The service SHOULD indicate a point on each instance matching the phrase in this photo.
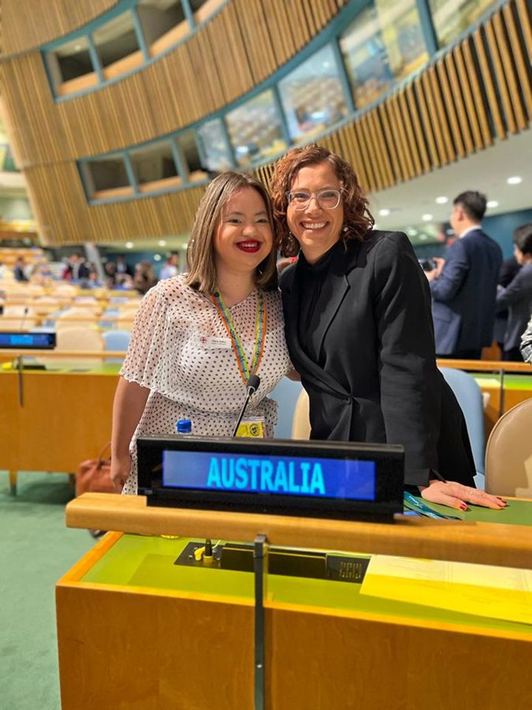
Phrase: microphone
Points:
(23, 320)
(252, 386)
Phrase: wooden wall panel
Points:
(30, 23)
(479, 90)
(508, 74)
(64, 217)
(410, 97)
(239, 48)
(520, 55)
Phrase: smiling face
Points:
(316, 228)
(243, 237)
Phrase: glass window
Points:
(116, 39)
(255, 129)
(70, 61)
(215, 148)
(190, 157)
(154, 164)
(159, 17)
(312, 95)
(203, 9)
(105, 174)
(383, 43)
(452, 17)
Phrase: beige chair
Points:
(509, 453)
(301, 423)
(45, 305)
(18, 318)
(78, 338)
(75, 318)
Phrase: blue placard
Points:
(277, 475)
(27, 340)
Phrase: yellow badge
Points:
(251, 427)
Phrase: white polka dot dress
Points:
(191, 376)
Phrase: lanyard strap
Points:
(260, 335)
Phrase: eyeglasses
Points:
(327, 199)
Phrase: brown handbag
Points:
(94, 475)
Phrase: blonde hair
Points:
(202, 274)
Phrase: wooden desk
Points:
(54, 419)
(137, 631)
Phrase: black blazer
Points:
(379, 382)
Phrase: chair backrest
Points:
(285, 394)
(116, 340)
(78, 338)
(301, 421)
(76, 317)
(469, 396)
(18, 318)
(509, 453)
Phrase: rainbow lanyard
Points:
(260, 335)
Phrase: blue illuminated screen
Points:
(278, 475)
(28, 340)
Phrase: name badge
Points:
(251, 427)
(210, 342)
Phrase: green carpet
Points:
(36, 549)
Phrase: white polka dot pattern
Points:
(189, 380)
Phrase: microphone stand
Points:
(252, 386)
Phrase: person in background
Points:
(170, 267)
(526, 343)
(144, 277)
(199, 336)
(19, 270)
(464, 284)
(122, 267)
(508, 271)
(359, 329)
(110, 274)
(516, 298)
(77, 268)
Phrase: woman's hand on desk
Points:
(120, 468)
(455, 495)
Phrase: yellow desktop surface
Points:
(148, 562)
(135, 630)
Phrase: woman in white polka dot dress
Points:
(197, 337)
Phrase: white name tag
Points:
(209, 342)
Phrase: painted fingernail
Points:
(463, 506)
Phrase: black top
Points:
(312, 300)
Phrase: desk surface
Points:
(141, 562)
(488, 379)
(517, 512)
(64, 368)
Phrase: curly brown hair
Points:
(357, 217)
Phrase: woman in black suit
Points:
(359, 329)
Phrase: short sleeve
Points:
(144, 361)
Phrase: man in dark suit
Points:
(464, 285)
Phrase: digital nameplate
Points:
(27, 340)
(270, 474)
